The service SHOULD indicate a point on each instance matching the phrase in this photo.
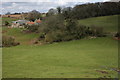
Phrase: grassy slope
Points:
(8, 19)
(109, 23)
(20, 36)
(68, 59)
(23, 38)
(80, 58)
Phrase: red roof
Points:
(30, 22)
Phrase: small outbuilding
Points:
(18, 23)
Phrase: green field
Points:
(84, 58)
(68, 59)
(109, 23)
(23, 38)
(8, 19)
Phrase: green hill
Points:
(85, 58)
(75, 59)
(20, 36)
(109, 23)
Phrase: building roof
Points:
(30, 22)
(20, 21)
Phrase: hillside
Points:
(109, 23)
(85, 58)
(20, 36)
(73, 59)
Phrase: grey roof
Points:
(20, 21)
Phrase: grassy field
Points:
(8, 19)
(84, 58)
(67, 59)
(109, 23)
(20, 36)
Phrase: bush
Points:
(56, 28)
(117, 34)
(96, 31)
(49, 38)
(68, 31)
(8, 41)
(7, 23)
(42, 36)
(51, 23)
(32, 28)
(32, 15)
(55, 36)
(51, 28)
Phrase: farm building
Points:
(21, 23)
(36, 22)
(30, 23)
(18, 23)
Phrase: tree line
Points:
(88, 10)
(79, 11)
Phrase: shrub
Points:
(55, 29)
(8, 41)
(42, 35)
(68, 31)
(117, 34)
(52, 23)
(32, 28)
(53, 36)
(49, 38)
(96, 31)
(32, 15)
(7, 23)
